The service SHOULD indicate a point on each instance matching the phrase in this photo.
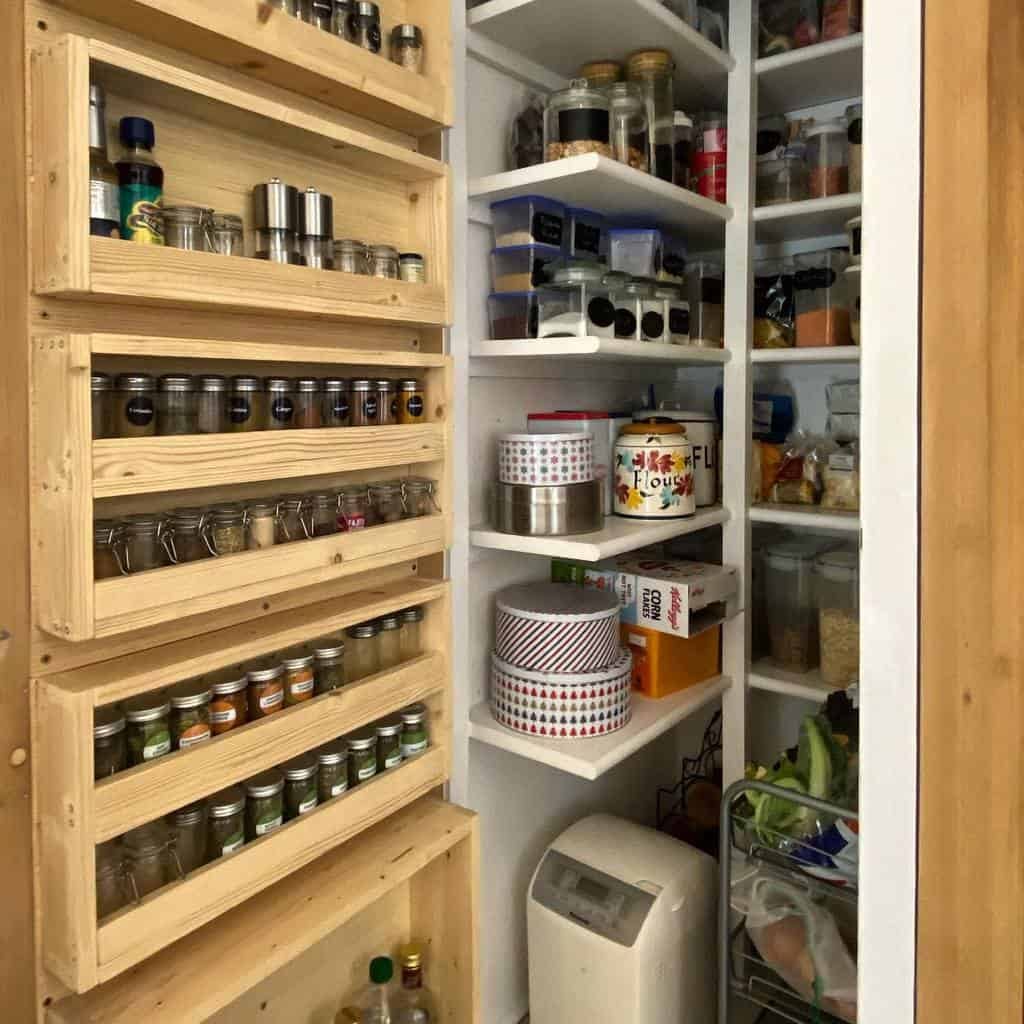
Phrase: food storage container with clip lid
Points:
(774, 308)
(630, 138)
(247, 405)
(513, 315)
(224, 529)
(384, 261)
(386, 502)
(577, 121)
(636, 251)
(109, 742)
(188, 828)
(225, 822)
(362, 757)
(329, 664)
(418, 497)
(654, 471)
(102, 393)
(407, 47)
(147, 727)
(264, 803)
(650, 310)
(362, 655)
(106, 549)
(389, 744)
(322, 514)
(827, 159)
(576, 304)
(300, 785)
(837, 594)
(190, 713)
(266, 690)
(292, 521)
(676, 311)
(782, 179)
(521, 268)
(528, 219)
(822, 299)
(654, 71)
(135, 405)
(141, 547)
(151, 860)
(229, 703)
(111, 888)
(415, 737)
(332, 779)
(299, 681)
(854, 142)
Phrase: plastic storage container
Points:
(676, 311)
(782, 179)
(629, 129)
(705, 291)
(837, 593)
(635, 251)
(682, 149)
(854, 142)
(822, 299)
(577, 121)
(710, 155)
(653, 71)
(576, 304)
(827, 159)
(513, 315)
(527, 219)
(521, 268)
(774, 310)
(792, 612)
(585, 234)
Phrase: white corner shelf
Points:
(590, 759)
(618, 537)
(765, 675)
(809, 218)
(807, 516)
(599, 350)
(831, 354)
(811, 75)
(561, 35)
(621, 193)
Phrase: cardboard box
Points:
(664, 664)
(683, 599)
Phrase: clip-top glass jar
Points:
(247, 405)
(386, 503)
(142, 546)
(102, 388)
(147, 728)
(389, 642)
(329, 666)
(224, 530)
(335, 410)
(323, 514)
(300, 786)
(109, 743)
(629, 132)
(264, 803)
(362, 757)
(407, 47)
(183, 535)
(190, 714)
(384, 261)
(136, 405)
(415, 737)
(228, 235)
(576, 304)
(653, 71)
(188, 830)
(333, 778)
(261, 524)
(225, 823)
(363, 658)
(106, 544)
(411, 643)
(351, 256)
(111, 891)
(291, 518)
(577, 121)
(150, 858)
(211, 404)
(189, 227)
(418, 494)
(353, 508)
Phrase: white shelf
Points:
(618, 537)
(811, 75)
(621, 193)
(563, 34)
(609, 350)
(590, 759)
(809, 517)
(831, 354)
(809, 218)
(764, 675)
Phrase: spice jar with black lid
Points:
(229, 703)
(363, 656)
(211, 404)
(316, 229)
(225, 823)
(183, 535)
(308, 403)
(276, 218)
(247, 406)
(291, 518)
(387, 402)
(109, 743)
(300, 786)
(332, 779)
(329, 666)
(147, 728)
(190, 714)
(264, 803)
(224, 529)
(362, 757)
(407, 47)
(362, 396)
(142, 549)
(106, 554)
(188, 829)
(389, 744)
(364, 26)
(280, 403)
(298, 678)
(176, 411)
(135, 410)
(411, 401)
(266, 690)
(389, 642)
(335, 405)
(102, 388)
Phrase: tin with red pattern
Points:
(545, 459)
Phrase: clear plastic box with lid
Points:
(790, 602)
(576, 304)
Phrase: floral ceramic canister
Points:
(654, 471)
(545, 460)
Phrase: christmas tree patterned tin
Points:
(545, 460)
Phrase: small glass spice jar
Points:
(111, 891)
(102, 406)
(142, 548)
(362, 397)
(419, 497)
(407, 47)
(384, 261)
(176, 411)
(247, 405)
(323, 514)
(332, 780)
(228, 235)
(211, 404)
(135, 409)
(389, 642)
(291, 519)
(264, 803)
(225, 823)
(353, 508)
(261, 524)
(386, 503)
(151, 860)
(300, 786)
(190, 714)
(224, 530)
(364, 25)
(308, 403)
(189, 227)
(412, 404)
(229, 703)
(188, 829)
(329, 665)
(415, 737)
(182, 535)
(280, 403)
(351, 256)
(362, 757)
(387, 402)
(411, 641)
(109, 745)
(298, 678)
(266, 691)
(412, 268)
(334, 410)
(389, 744)
(147, 728)
(106, 544)
(363, 657)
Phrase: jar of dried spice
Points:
(135, 399)
(142, 548)
(225, 822)
(411, 401)
(384, 261)
(106, 545)
(329, 665)
(188, 832)
(182, 535)
(362, 757)
(151, 861)
(224, 530)
(247, 406)
(280, 403)
(333, 778)
(577, 121)
(353, 508)
(389, 744)
(102, 406)
(291, 518)
(264, 803)
(300, 786)
(229, 703)
(190, 714)
(411, 643)
(407, 47)
(211, 404)
(335, 409)
(415, 737)
(827, 159)
(176, 409)
(387, 402)
(260, 521)
(362, 396)
(418, 492)
(148, 730)
(109, 746)
(323, 514)
(389, 642)
(298, 677)
(266, 690)
(111, 891)
(363, 657)
(308, 403)
(412, 267)
(386, 502)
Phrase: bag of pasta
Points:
(841, 479)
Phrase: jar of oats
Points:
(578, 121)
(837, 586)
(792, 613)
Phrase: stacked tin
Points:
(557, 670)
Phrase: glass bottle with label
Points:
(141, 181)
(264, 803)
(333, 778)
(190, 714)
(389, 744)
(300, 786)
(362, 757)
(335, 410)
(148, 729)
(104, 194)
(229, 703)
(323, 514)
(280, 403)
(362, 396)
(298, 678)
(135, 405)
(109, 746)
(415, 737)
(225, 823)
(414, 1003)
(266, 691)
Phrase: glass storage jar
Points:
(182, 535)
(308, 402)
(190, 714)
(229, 703)
(142, 547)
(653, 71)
(837, 584)
(386, 503)
(266, 690)
(362, 757)
(782, 179)
(188, 831)
(601, 74)
(577, 121)
(387, 402)
(335, 408)
(407, 47)
(629, 136)
(225, 822)
(638, 313)
(351, 256)
(261, 524)
(792, 616)
(224, 529)
(389, 642)
(419, 499)
(176, 407)
(384, 261)
(247, 406)
(264, 803)
(363, 656)
(389, 744)
(332, 781)
(353, 508)
(135, 397)
(576, 304)
(150, 858)
(682, 149)
(102, 390)
(822, 299)
(228, 235)
(298, 678)
(362, 397)
(109, 743)
(415, 735)
(364, 27)
(705, 291)
(412, 267)
(300, 786)
(323, 514)
(291, 518)
(329, 665)
(411, 644)
(147, 727)
(106, 553)
(111, 891)
(675, 311)
(211, 404)
(280, 403)
(827, 159)
(189, 227)
(411, 402)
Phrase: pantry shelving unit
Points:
(602, 350)
(838, 354)
(807, 517)
(811, 75)
(809, 218)
(808, 686)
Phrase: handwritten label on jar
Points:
(367, 773)
(158, 745)
(588, 239)
(414, 407)
(308, 804)
(271, 700)
(417, 747)
(268, 824)
(300, 686)
(393, 760)
(196, 734)
(236, 842)
(340, 409)
(240, 410)
(282, 409)
(339, 787)
(222, 714)
(139, 411)
(547, 228)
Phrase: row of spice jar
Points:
(151, 725)
(154, 540)
(140, 405)
(154, 855)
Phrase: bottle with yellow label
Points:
(141, 181)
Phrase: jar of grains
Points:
(411, 641)
(111, 891)
(135, 408)
(102, 390)
(335, 409)
(412, 267)
(418, 492)
(384, 261)
(577, 121)
(190, 714)
(362, 757)
(323, 514)
(415, 737)
(151, 860)
(363, 657)
(260, 522)
(411, 401)
(264, 803)
(837, 583)
(266, 690)
(247, 406)
(298, 677)
(147, 728)
(176, 409)
(362, 397)
(329, 664)
(211, 404)
(389, 744)
(389, 642)
(280, 403)
(106, 544)
(291, 518)
(225, 822)
(353, 508)
(225, 529)
(386, 502)
(183, 537)
(142, 549)
(300, 786)
(792, 617)
(308, 402)
(229, 703)
(333, 778)
(407, 47)
(387, 402)
(351, 257)
(188, 830)
(109, 747)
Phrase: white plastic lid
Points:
(681, 120)
(827, 126)
(563, 601)
(838, 566)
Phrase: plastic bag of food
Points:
(840, 18)
(798, 477)
(785, 25)
(841, 479)
(800, 941)
(774, 309)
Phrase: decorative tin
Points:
(545, 459)
(531, 511)
(703, 437)
(654, 471)
(556, 627)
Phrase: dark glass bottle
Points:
(142, 184)
(104, 198)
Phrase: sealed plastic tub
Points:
(527, 219)
(513, 315)
(521, 268)
(636, 251)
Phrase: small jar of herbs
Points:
(389, 744)
(300, 786)
(332, 780)
(147, 727)
(264, 803)
(225, 823)
(109, 746)
(362, 757)
(329, 665)
(415, 736)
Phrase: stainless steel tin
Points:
(316, 214)
(530, 511)
(275, 206)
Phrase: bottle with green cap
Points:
(377, 1002)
